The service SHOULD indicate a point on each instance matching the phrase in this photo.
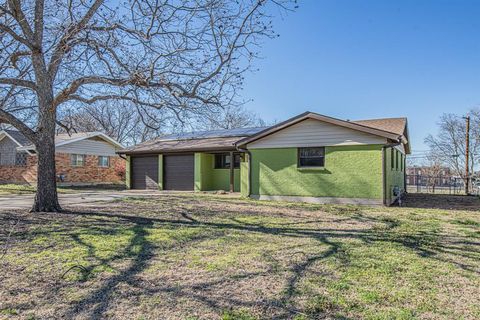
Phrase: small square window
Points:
(21, 159)
(77, 160)
(311, 157)
(104, 161)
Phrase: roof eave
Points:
(92, 135)
(176, 150)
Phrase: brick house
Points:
(419, 175)
(85, 158)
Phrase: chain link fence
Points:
(440, 184)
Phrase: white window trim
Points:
(108, 162)
(76, 160)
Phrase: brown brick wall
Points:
(90, 173)
(24, 175)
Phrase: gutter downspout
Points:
(249, 182)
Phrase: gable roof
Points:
(16, 137)
(60, 139)
(394, 129)
(66, 138)
(212, 140)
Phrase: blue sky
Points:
(363, 59)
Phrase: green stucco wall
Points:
(394, 176)
(127, 173)
(349, 172)
(201, 181)
(207, 178)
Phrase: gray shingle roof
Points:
(213, 140)
(185, 145)
(226, 139)
(18, 136)
(239, 132)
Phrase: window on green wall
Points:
(401, 162)
(311, 157)
(222, 160)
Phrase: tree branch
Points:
(70, 34)
(19, 83)
(92, 100)
(19, 16)
(15, 36)
(17, 123)
(38, 33)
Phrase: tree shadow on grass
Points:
(140, 251)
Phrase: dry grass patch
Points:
(211, 257)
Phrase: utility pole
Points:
(467, 152)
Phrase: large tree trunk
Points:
(46, 198)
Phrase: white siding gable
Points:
(311, 133)
(92, 146)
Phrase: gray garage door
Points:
(144, 172)
(178, 172)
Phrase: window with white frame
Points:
(104, 161)
(77, 160)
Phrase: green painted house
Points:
(310, 157)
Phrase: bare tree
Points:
(118, 120)
(229, 118)
(432, 170)
(449, 147)
(179, 56)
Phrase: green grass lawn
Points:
(16, 189)
(211, 257)
(12, 189)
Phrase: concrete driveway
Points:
(81, 198)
